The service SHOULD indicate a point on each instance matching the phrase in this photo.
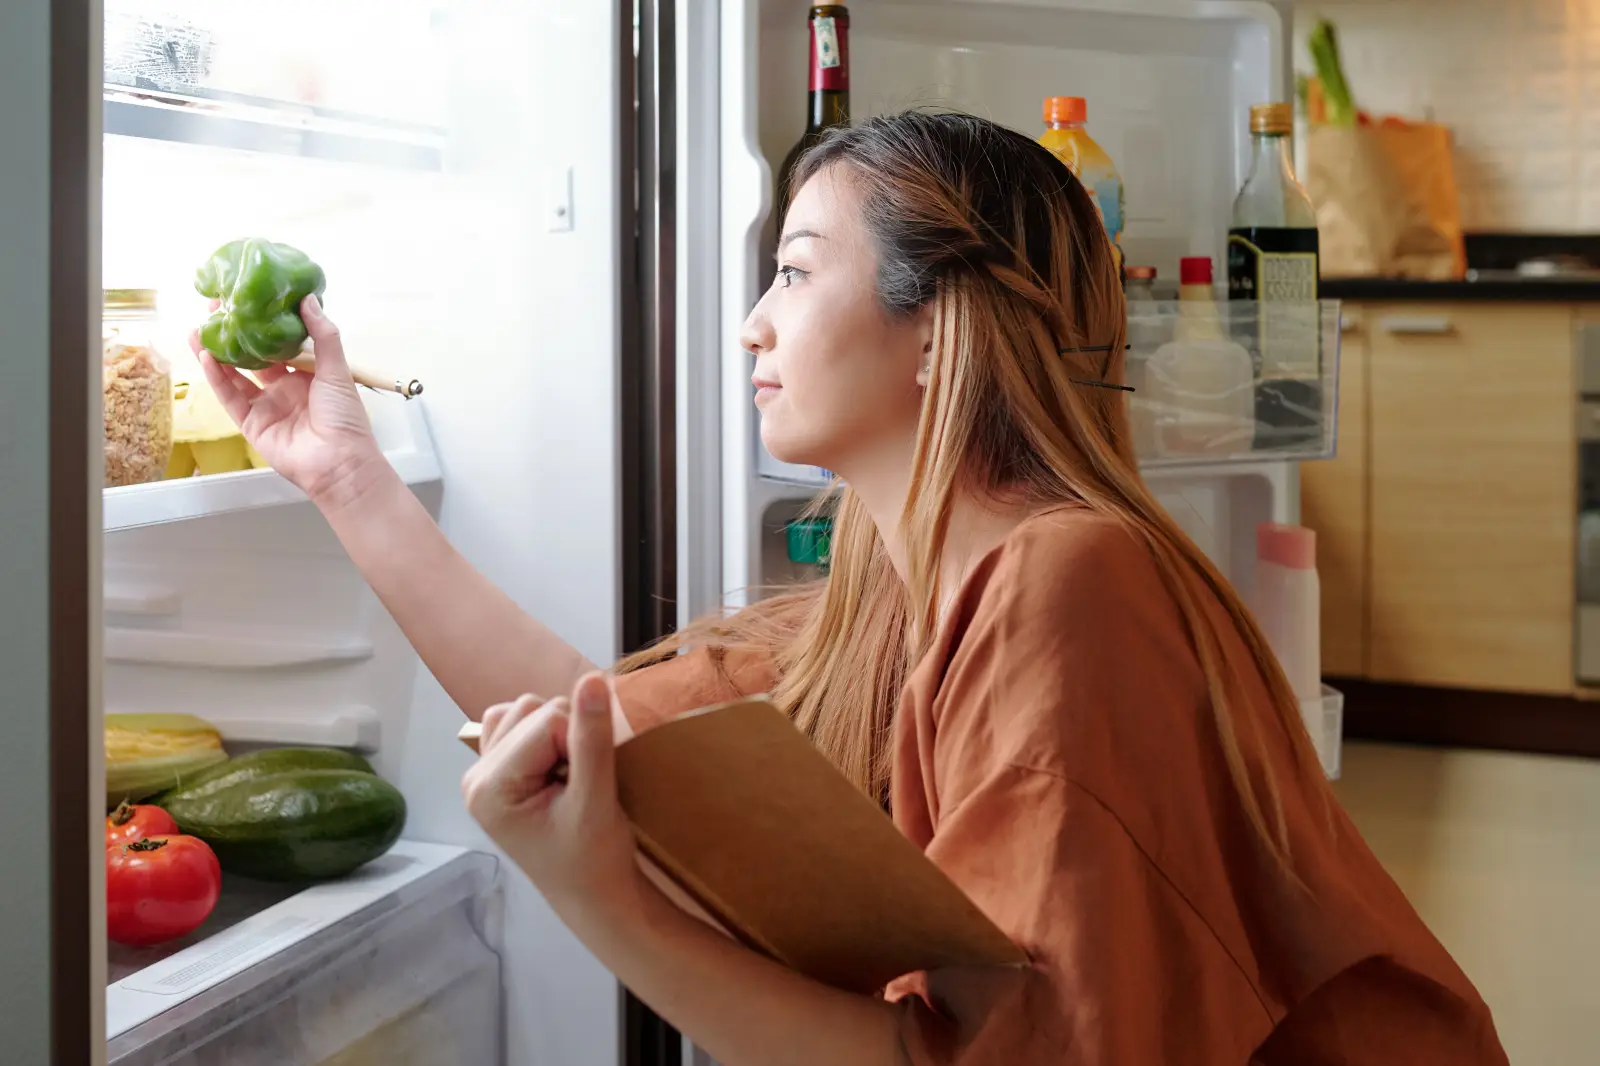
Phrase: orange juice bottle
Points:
(1068, 141)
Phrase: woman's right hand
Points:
(311, 428)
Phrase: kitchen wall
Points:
(1500, 854)
(1518, 81)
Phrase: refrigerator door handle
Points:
(648, 373)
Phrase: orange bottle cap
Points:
(1065, 109)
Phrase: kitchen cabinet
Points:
(1333, 501)
(1471, 471)
(1445, 525)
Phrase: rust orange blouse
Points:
(1055, 754)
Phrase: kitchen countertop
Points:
(1533, 290)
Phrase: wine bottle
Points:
(1272, 259)
(828, 93)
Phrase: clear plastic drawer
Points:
(1233, 380)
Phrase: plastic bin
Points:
(1233, 380)
(399, 974)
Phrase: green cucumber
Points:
(299, 825)
(262, 763)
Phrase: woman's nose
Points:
(755, 336)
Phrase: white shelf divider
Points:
(224, 651)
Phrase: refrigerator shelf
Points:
(1224, 381)
(241, 123)
(273, 965)
(131, 506)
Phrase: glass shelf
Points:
(243, 124)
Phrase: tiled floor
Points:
(1500, 853)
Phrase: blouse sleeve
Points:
(696, 678)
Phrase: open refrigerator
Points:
(554, 217)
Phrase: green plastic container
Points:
(811, 542)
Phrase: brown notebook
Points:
(737, 811)
(740, 810)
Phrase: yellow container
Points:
(1066, 138)
(205, 440)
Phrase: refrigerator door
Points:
(49, 519)
(1168, 84)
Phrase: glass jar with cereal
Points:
(137, 381)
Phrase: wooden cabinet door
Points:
(1472, 497)
(1333, 502)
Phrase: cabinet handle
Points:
(1417, 325)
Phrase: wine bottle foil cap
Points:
(1272, 118)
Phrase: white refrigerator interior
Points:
(420, 165)
(459, 177)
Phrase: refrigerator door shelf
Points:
(410, 451)
(292, 975)
(355, 726)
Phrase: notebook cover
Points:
(740, 811)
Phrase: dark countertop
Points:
(1530, 291)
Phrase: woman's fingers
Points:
(589, 737)
(276, 372)
(502, 717)
(518, 765)
(331, 363)
(489, 723)
(232, 389)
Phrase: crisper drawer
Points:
(389, 967)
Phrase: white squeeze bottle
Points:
(1200, 384)
(1287, 603)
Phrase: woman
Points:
(1018, 653)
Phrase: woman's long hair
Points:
(1007, 246)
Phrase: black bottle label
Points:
(1272, 263)
(1277, 266)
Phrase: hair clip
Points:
(1103, 385)
(1093, 348)
(1098, 384)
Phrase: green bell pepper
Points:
(261, 285)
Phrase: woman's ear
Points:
(925, 335)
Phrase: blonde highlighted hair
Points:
(1007, 247)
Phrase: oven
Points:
(1586, 623)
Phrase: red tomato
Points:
(130, 822)
(159, 888)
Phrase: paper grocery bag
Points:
(1386, 199)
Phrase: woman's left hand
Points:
(571, 838)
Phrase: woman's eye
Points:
(788, 274)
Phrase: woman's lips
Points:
(765, 390)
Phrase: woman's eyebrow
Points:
(796, 234)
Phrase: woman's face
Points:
(836, 376)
